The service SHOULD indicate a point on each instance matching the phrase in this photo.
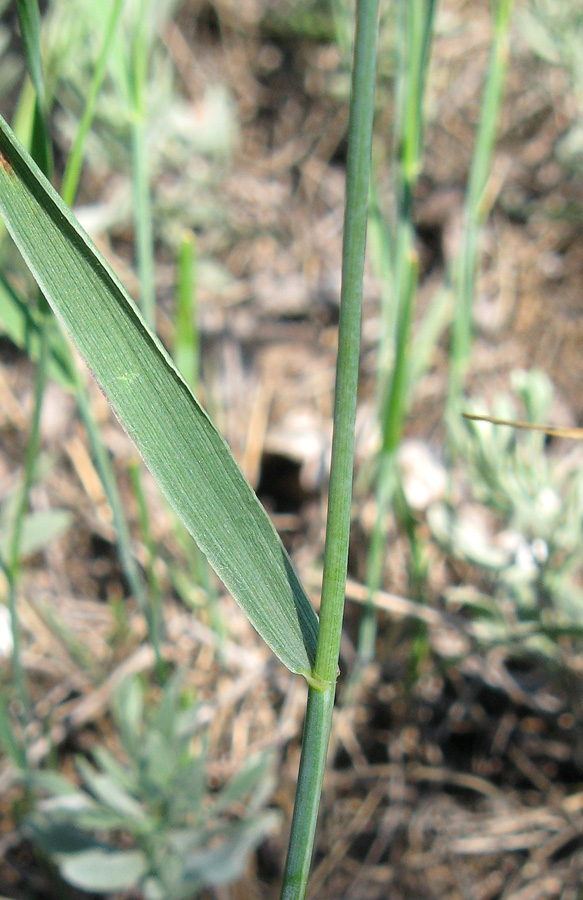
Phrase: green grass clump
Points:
(406, 346)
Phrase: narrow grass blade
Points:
(139, 52)
(29, 19)
(477, 202)
(186, 334)
(20, 322)
(75, 161)
(185, 453)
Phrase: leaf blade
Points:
(189, 459)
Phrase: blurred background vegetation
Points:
(202, 145)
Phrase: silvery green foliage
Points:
(151, 823)
(524, 527)
(554, 30)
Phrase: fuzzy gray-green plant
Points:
(527, 540)
(179, 835)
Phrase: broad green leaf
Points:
(188, 458)
(84, 861)
(103, 870)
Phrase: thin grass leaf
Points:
(29, 19)
(9, 742)
(477, 202)
(186, 334)
(19, 322)
(75, 161)
(189, 459)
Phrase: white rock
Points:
(424, 477)
(6, 642)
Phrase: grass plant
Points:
(478, 202)
(416, 29)
(29, 18)
(22, 322)
(183, 450)
(403, 356)
(137, 79)
(74, 162)
(158, 799)
(320, 704)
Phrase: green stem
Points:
(140, 169)
(154, 612)
(29, 19)
(186, 329)
(355, 223)
(143, 221)
(476, 209)
(321, 702)
(75, 160)
(310, 777)
(417, 29)
(107, 477)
